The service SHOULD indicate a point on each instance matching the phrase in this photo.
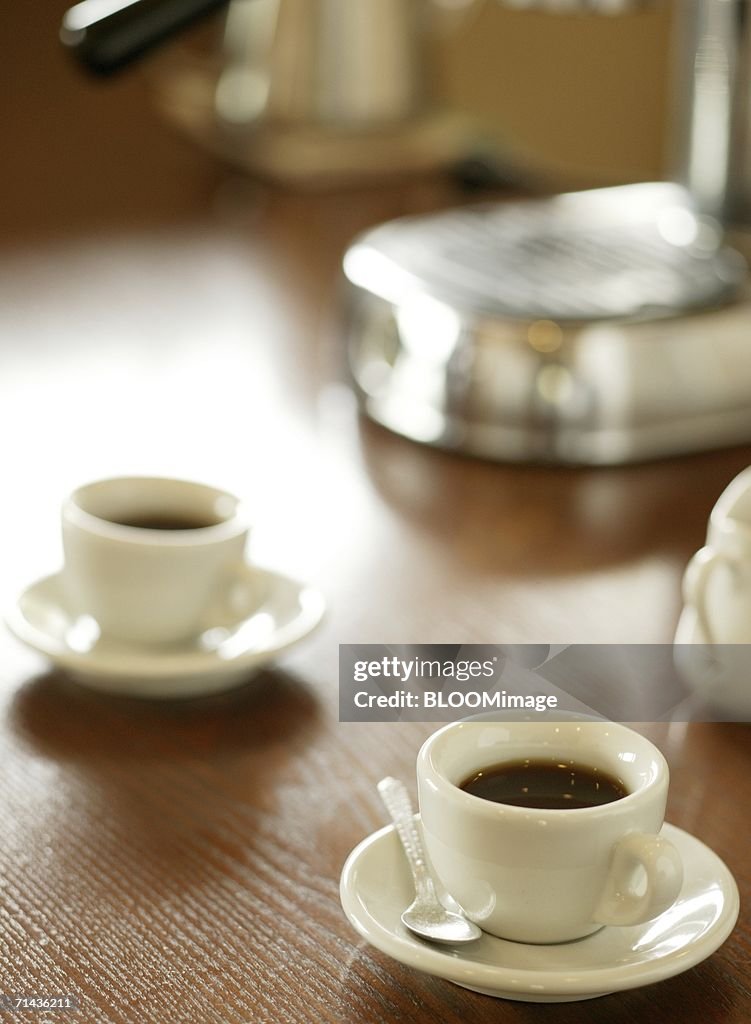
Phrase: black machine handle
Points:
(106, 35)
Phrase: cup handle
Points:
(695, 580)
(623, 903)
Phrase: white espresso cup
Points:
(145, 556)
(717, 581)
(537, 875)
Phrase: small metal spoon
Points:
(425, 916)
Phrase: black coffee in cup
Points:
(164, 521)
(546, 784)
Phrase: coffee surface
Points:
(550, 785)
(165, 521)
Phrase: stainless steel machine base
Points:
(599, 327)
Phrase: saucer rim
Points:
(528, 984)
(140, 661)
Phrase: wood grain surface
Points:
(179, 863)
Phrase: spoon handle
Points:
(396, 800)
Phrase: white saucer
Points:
(375, 887)
(719, 674)
(261, 615)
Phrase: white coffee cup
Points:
(150, 583)
(543, 876)
(717, 581)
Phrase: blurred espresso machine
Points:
(597, 327)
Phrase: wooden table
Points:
(180, 862)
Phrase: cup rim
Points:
(428, 770)
(234, 525)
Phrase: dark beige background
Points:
(581, 96)
(584, 95)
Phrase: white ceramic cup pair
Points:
(545, 876)
(717, 581)
(145, 556)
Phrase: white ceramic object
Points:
(149, 585)
(376, 886)
(734, 503)
(254, 620)
(717, 581)
(719, 675)
(539, 875)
